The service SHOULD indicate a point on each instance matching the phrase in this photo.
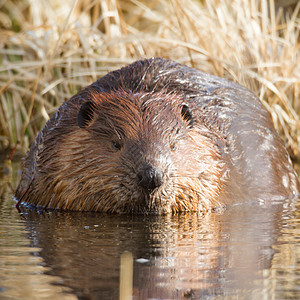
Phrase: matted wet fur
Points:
(157, 136)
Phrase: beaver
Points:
(157, 136)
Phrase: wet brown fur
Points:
(94, 167)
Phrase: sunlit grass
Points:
(49, 50)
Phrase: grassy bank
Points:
(49, 50)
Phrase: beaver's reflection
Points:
(173, 256)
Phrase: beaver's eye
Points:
(116, 145)
(172, 146)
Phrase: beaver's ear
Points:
(186, 115)
(85, 114)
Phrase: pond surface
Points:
(244, 252)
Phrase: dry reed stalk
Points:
(51, 49)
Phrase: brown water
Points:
(244, 252)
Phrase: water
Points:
(244, 252)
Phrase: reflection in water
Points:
(173, 256)
(22, 270)
(246, 251)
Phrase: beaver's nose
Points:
(149, 178)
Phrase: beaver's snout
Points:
(149, 178)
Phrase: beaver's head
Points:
(142, 152)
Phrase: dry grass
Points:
(51, 49)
